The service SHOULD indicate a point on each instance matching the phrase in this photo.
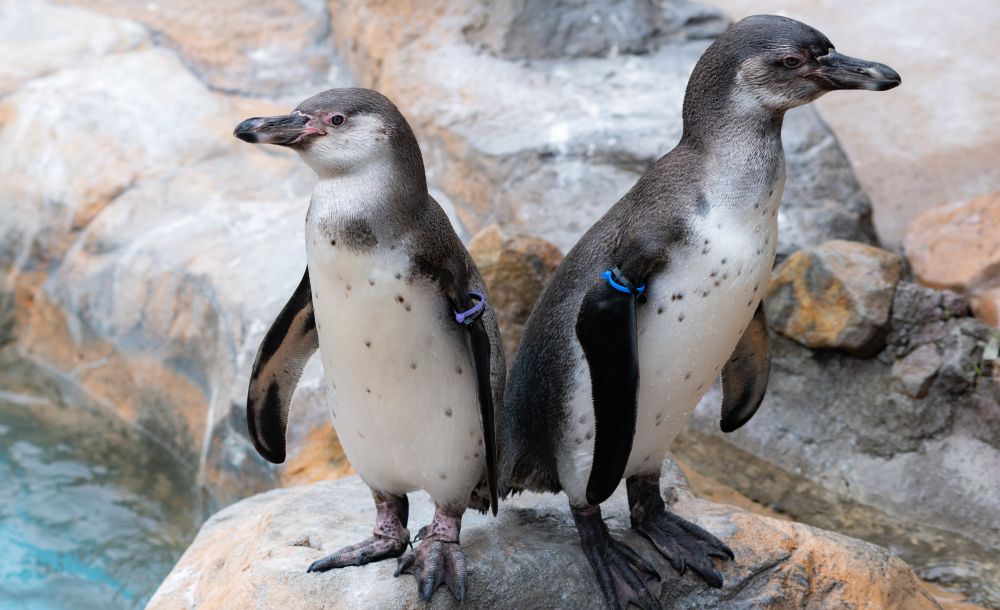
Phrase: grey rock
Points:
(254, 554)
(541, 29)
(911, 434)
(916, 371)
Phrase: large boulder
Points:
(902, 449)
(957, 247)
(836, 295)
(254, 554)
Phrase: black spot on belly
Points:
(368, 344)
(397, 275)
(723, 262)
(369, 390)
(659, 310)
(399, 298)
(442, 475)
(680, 318)
(687, 375)
(407, 307)
(458, 370)
(371, 282)
(589, 435)
(677, 296)
(447, 412)
(358, 234)
(333, 242)
(701, 206)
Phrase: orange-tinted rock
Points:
(515, 268)
(837, 295)
(958, 247)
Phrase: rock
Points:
(515, 268)
(986, 304)
(254, 554)
(252, 47)
(36, 39)
(900, 449)
(536, 29)
(957, 247)
(916, 371)
(595, 123)
(836, 295)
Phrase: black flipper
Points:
(744, 378)
(606, 329)
(479, 346)
(286, 349)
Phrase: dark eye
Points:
(792, 61)
(337, 119)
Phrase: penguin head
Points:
(336, 132)
(778, 63)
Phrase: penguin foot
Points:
(372, 549)
(389, 538)
(438, 559)
(683, 543)
(620, 571)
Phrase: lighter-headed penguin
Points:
(409, 342)
(661, 296)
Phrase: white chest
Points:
(696, 312)
(402, 388)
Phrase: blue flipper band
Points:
(610, 277)
(469, 315)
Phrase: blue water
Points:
(91, 514)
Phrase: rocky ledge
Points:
(254, 554)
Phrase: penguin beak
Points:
(844, 72)
(281, 130)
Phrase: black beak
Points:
(281, 130)
(844, 72)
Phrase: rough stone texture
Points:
(836, 295)
(254, 554)
(515, 267)
(239, 46)
(548, 145)
(541, 29)
(913, 434)
(957, 247)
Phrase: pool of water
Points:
(92, 515)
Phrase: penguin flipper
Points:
(745, 375)
(606, 329)
(479, 342)
(284, 352)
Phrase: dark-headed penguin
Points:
(409, 342)
(661, 296)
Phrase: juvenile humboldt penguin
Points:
(662, 295)
(409, 342)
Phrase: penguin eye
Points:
(336, 119)
(792, 61)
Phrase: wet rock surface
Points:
(254, 554)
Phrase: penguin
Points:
(409, 342)
(661, 296)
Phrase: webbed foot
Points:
(680, 541)
(620, 571)
(438, 559)
(389, 538)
